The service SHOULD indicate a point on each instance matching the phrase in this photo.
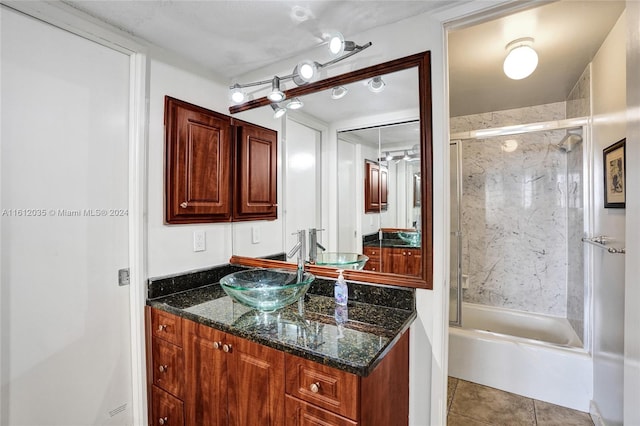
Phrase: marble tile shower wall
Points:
(514, 213)
(578, 105)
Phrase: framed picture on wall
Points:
(614, 175)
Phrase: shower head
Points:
(569, 141)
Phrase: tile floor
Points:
(471, 404)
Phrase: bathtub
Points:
(533, 355)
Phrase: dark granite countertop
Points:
(389, 242)
(353, 339)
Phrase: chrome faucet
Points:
(299, 248)
(314, 245)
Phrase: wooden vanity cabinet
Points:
(321, 395)
(373, 253)
(231, 381)
(394, 260)
(227, 380)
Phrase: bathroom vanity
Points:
(214, 361)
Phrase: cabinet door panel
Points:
(256, 172)
(198, 164)
(256, 385)
(299, 413)
(166, 409)
(206, 383)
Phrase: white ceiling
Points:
(233, 38)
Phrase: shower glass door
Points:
(455, 265)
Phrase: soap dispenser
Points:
(341, 291)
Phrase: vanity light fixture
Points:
(238, 95)
(521, 60)
(276, 95)
(295, 103)
(305, 72)
(278, 111)
(338, 92)
(397, 156)
(376, 84)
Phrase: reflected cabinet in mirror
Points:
(357, 175)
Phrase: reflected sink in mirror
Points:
(342, 260)
(266, 290)
(411, 238)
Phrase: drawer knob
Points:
(315, 387)
(184, 204)
(217, 345)
(162, 327)
(163, 421)
(163, 368)
(226, 348)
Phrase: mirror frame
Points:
(421, 61)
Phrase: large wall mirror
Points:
(358, 169)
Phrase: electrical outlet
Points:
(465, 281)
(199, 241)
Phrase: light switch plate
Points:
(255, 234)
(199, 241)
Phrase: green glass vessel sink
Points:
(342, 260)
(266, 289)
(411, 238)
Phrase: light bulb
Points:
(521, 60)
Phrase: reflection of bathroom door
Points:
(347, 208)
(302, 183)
(455, 266)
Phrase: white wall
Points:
(171, 246)
(632, 268)
(609, 126)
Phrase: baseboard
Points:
(594, 411)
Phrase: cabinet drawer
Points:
(300, 413)
(166, 327)
(372, 265)
(326, 387)
(165, 409)
(372, 252)
(168, 367)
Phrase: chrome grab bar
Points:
(602, 241)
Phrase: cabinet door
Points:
(256, 384)
(166, 409)
(256, 162)
(393, 260)
(414, 262)
(376, 186)
(205, 375)
(300, 413)
(198, 164)
(168, 367)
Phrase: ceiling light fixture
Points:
(305, 72)
(397, 156)
(521, 60)
(295, 103)
(388, 156)
(376, 84)
(338, 45)
(278, 111)
(237, 94)
(338, 92)
(276, 95)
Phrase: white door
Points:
(302, 192)
(64, 171)
(348, 234)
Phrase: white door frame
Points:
(69, 19)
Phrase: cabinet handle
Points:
(163, 421)
(274, 205)
(163, 368)
(217, 345)
(404, 253)
(162, 327)
(315, 387)
(409, 253)
(184, 204)
(226, 348)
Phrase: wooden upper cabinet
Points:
(376, 179)
(198, 164)
(217, 169)
(256, 173)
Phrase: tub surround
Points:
(376, 317)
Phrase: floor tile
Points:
(452, 382)
(550, 415)
(458, 420)
(491, 406)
